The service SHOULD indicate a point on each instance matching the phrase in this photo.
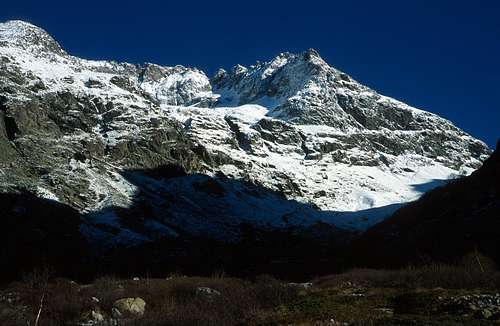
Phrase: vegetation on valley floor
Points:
(437, 294)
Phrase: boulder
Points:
(128, 308)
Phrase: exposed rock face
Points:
(70, 127)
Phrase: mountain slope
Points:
(444, 224)
(71, 128)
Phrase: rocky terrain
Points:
(144, 152)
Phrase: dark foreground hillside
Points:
(463, 294)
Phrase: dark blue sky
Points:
(442, 56)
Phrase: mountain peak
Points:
(311, 53)
(27, 36)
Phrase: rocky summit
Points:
(143, 152)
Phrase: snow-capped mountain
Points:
(276, 140)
